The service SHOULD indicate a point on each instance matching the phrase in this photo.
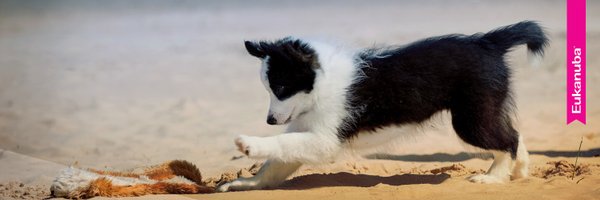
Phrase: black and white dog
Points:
(334, 98)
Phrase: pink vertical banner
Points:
(576, 99)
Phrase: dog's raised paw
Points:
(253, 147)
(242, 145)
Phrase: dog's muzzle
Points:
(273, 121)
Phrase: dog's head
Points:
(288, 73)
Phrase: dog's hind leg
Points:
(499, 172)
(503, 165)
(521, 167)
(271, 174)
(483, 120)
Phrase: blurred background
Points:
(127, 83)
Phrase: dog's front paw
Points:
(242, 145)
(486, 179)
(253, 147)
(240, 184)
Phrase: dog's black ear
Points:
(304, 52)
(302, 48)
(254, 49)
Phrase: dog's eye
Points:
(278, 89)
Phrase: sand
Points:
(371, 181)
(118, 85)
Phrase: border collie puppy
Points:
(334, 99)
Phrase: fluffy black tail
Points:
(525, 32)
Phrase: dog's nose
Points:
(271, 120)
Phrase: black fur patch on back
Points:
(466, 75)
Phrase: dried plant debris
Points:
(230, 176)
(455, 170)
(563, 168)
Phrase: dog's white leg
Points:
(521, 168)
(271, 174)
(499, 172)
(303, 147)
(285, 152)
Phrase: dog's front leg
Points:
(271, 174)
(285, 152)
(303, 147)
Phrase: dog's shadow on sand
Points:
(358, 180)
(436, 157)
(584, 153)
(463, 156)
(362, 180)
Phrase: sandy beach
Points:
(116, 85)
